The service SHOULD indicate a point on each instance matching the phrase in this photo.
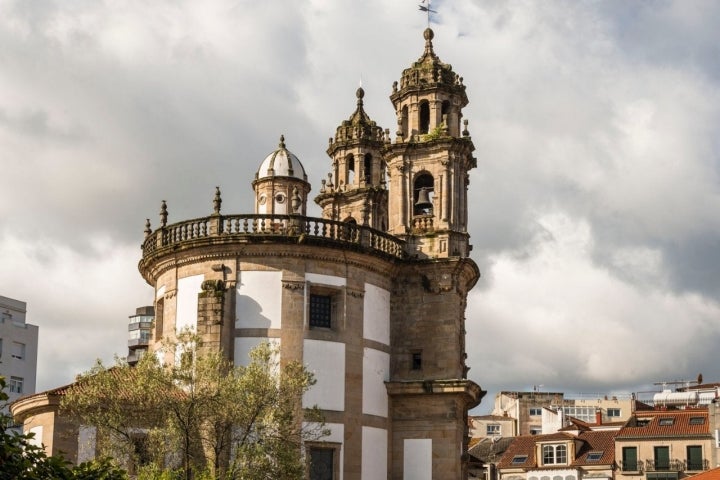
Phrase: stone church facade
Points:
(371, 297)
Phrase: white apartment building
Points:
(18, 348)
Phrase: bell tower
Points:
(429, 161)
(355, 190)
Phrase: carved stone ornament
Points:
(171, 293)
(213, 286)
(356, 293)
(293, 285)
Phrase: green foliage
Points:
(201, 417)
(21, 459)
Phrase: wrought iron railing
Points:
(268, 226)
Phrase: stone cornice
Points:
(467, 388)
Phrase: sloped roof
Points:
(712, 474)
(666, 423)
(490, 449)
(590, 441)
(596, 441)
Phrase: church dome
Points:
(281, 163)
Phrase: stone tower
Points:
(429, 161)
(371, 297)
(356, 190)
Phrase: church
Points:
(371, 297)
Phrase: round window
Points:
(262, 200)
(280, 198)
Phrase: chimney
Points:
(598, 416)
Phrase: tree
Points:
(201, 413)
(22, 459)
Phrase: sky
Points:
(594, 205)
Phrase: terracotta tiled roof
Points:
(713, 474)
(596, 442)
(489, 449)
(521, 446)
(667, 423)
(601, 442)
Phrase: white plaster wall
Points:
(376, 314)
(243, 345)
(259, 299)
(87, 440)
(337, 435)
(37, 440)
(417, 459)
(326, 360)
(187, 302)
(160, 292)
(376, 371)
(325, 279)
(374, 453)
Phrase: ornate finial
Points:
(217, 201)
(148, 230)
(282, 141)
(163, 213)
(360, 93)
(428, 34)
(465, 130)
(395, 84)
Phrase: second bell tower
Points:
(429, 161)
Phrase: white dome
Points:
(281, 163)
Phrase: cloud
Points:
(594, 202)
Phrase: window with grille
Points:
(322, 463)
(320, 311)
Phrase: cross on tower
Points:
(427, 9)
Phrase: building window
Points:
(662, 458)
(697, 420)
(666, 422)
(18, 350)
(323, 461)
(416, 360)
(554, 454)
(16, 385)
(424, 117)
(694, 458)
(519, 459)
(535, 430)
(594, 456)
(320, 311)
(613, 412)
(535, 411)
(493, 429)
(629, 459)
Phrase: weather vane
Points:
(427, 9)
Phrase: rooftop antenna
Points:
(426, 9)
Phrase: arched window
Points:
(423, 193)
(367, 168)
(424, 116)
(554, 454)
(350, 163)
(350, 220)
(446, 113)
(404, 121)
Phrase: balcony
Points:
(638, 466)
(696, 466)
(673, 465)
(138, 342)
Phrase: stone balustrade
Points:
(267, 227)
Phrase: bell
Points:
(423, 200)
